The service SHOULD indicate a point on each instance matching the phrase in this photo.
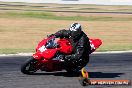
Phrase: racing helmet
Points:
(75, 29)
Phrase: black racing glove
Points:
(68, 58)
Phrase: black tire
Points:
(29, 66)
(71, 69)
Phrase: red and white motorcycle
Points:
(49, 55)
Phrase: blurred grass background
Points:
(23, 25)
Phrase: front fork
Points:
(39, 61)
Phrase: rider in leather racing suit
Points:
(80, 44)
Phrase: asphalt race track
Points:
(101, 66)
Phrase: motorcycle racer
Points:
(65, 50)
(80, 45)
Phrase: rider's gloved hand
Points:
(50, 35)
(68, 58)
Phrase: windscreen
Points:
(51, 44)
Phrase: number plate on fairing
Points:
(42, 48)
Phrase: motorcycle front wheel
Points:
(29, 66)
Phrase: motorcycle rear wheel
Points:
(29, 66)
(72, 70)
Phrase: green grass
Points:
(48, 15)
(115, 48)
(65, 7)
(101, 49)
(40, 15)
(15, 51)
